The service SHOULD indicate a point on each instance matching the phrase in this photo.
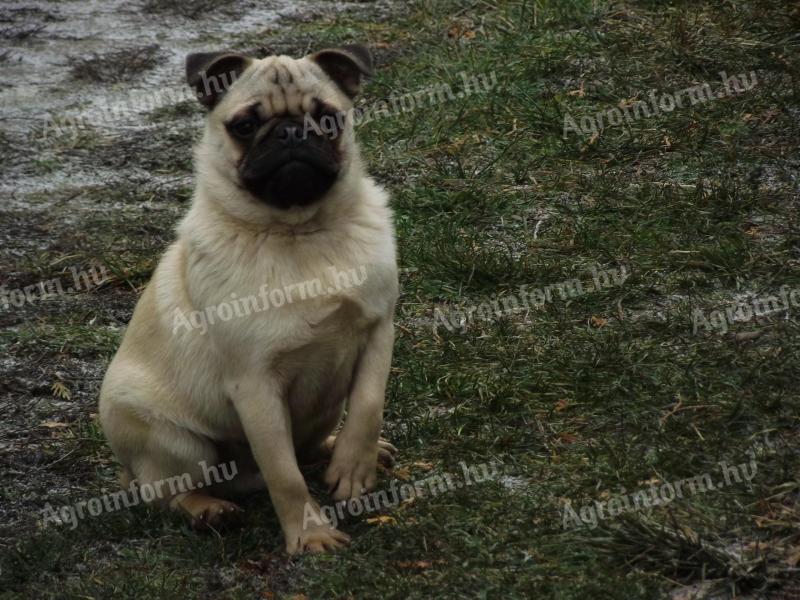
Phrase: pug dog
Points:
(277, 203)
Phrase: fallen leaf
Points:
(403, 473)
(567, 437)
(756, 546)
(794, 558)
(769, 115)
(461, 30)
(61, 391)
(690, 534)
(580, 92)
(381, 520)
(425, 466)
(561, 405)
(675, 408)
(744, 336)
(53, 424)
(407, 502)
(418, 564)
(598, 322)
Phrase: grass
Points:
(116, 67)
(581, 398)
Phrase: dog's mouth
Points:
(313, 160)
(294, 177)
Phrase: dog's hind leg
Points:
(168, 464)
(177, 463)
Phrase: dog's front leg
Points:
(263, 411)
(352, 470)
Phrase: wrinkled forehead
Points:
(280, 85)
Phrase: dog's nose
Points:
(290, 135)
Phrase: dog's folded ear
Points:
(346, 66)
(211, 74)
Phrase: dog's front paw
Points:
(352, 471)
(315, 539)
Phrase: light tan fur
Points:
(276, 381)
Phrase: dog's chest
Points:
(275, 311)
(306, 294)
(340, 316)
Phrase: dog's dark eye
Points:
(244, 128)
(331, 121)
(324, 110)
